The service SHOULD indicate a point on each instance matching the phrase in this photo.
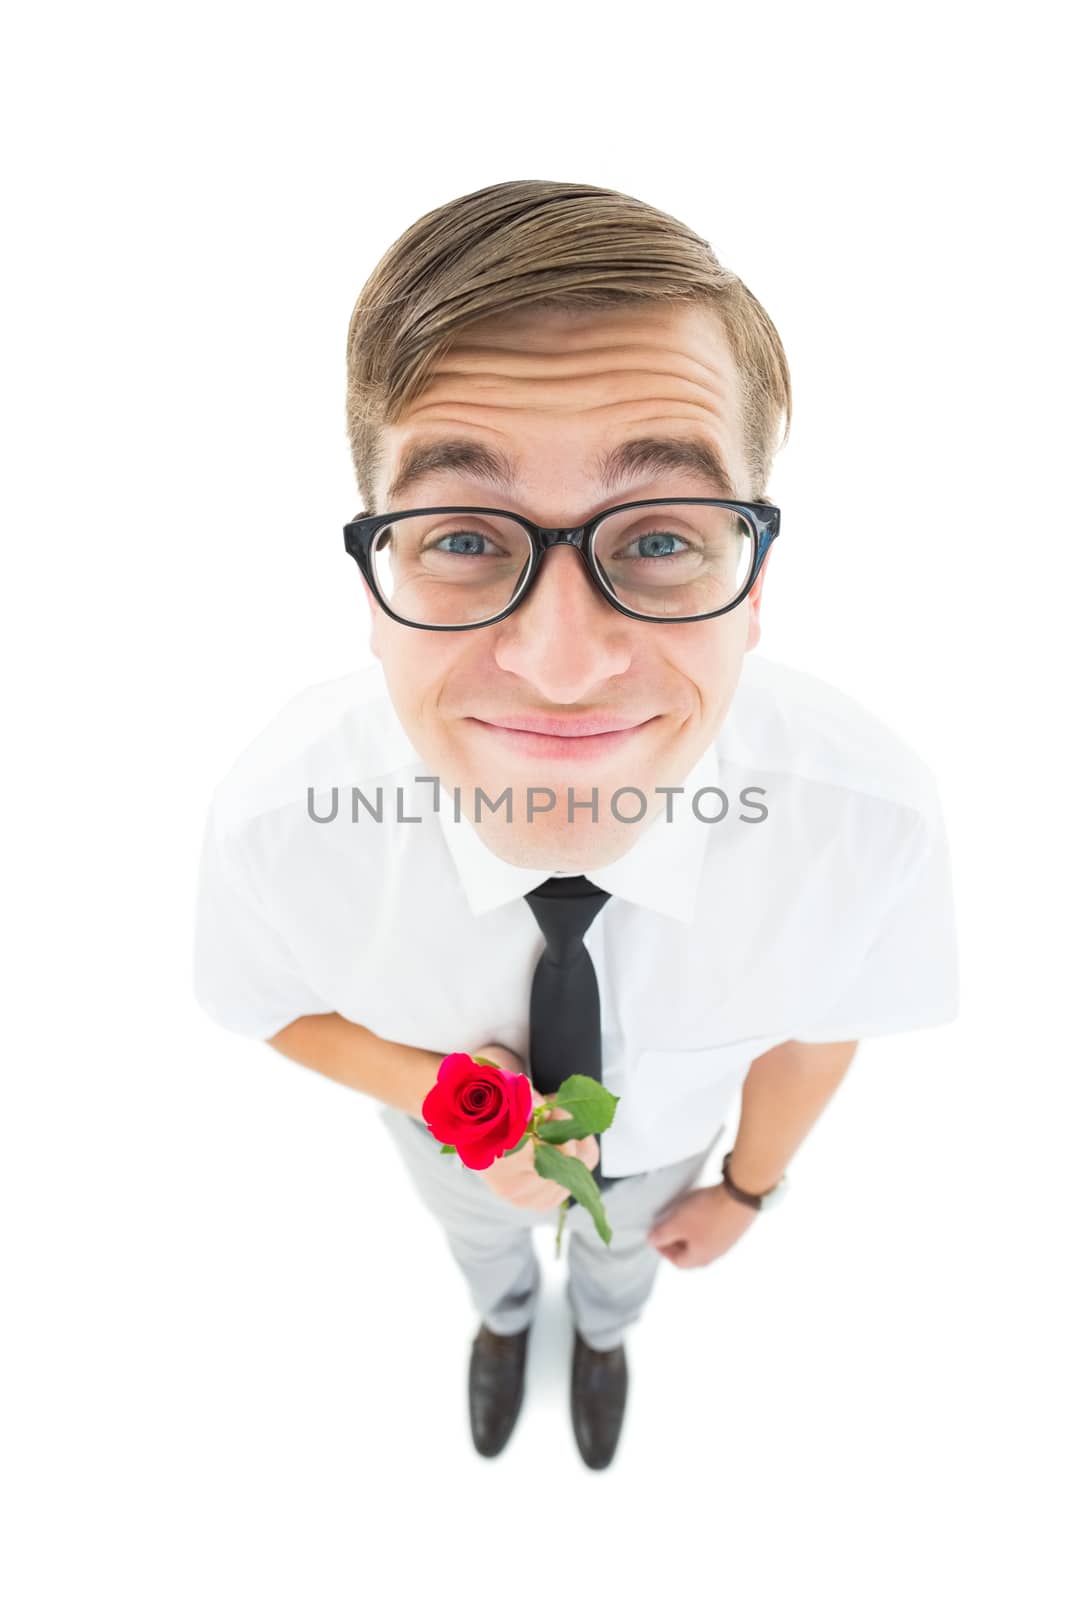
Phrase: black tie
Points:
(564, 999)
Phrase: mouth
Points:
(562, 738)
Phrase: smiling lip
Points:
(582, 738)
(563, 727)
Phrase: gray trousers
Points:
(490, 1238)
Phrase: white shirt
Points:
(830, 919)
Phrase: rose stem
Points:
(559, 1229)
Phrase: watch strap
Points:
(753, 1200)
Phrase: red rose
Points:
(482, 1110)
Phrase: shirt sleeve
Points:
(907, 971)
(245, 976)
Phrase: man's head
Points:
(549, 323)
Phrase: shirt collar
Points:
(661, 871)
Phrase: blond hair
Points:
(558, 245)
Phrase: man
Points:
(565, 757)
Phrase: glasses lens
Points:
(450, 568)
(675, 560)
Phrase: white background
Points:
(235, 1345)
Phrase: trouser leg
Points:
(489, 1239)
(608, 1285)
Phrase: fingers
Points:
(529, 1188)
(543, 1197)
(587, 1149)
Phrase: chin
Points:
(558, 846)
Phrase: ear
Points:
(755, 595)
(375, 613)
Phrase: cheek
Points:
(712, 657)
(420, 674)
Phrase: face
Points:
(553, 391)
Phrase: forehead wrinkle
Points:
(720, 379)
(706, 376)
(710, 396)
(697, 410)
(482, 387)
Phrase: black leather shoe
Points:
(599, 1380)
(495, 1387)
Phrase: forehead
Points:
(559, 391)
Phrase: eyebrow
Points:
(423, 459)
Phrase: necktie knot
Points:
(565, 909)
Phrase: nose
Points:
(565, 638)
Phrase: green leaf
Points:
(557, 1130)
(484, 1061)
(447, 1150)
(575, 1176)
(589, 1103)
(515, 1147)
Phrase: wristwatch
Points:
(758, 1202)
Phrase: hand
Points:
(702, 1226)
(513, 1177)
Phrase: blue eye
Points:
(467, 552)
(657, 540)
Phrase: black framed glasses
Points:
(662, 560)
